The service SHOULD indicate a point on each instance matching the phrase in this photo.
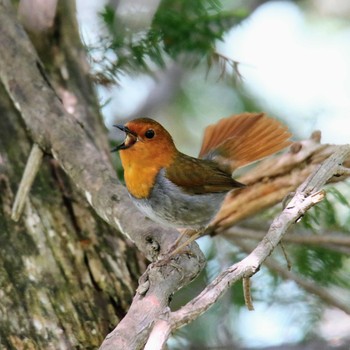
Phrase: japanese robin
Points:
(177, 190)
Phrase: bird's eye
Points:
(149, 133)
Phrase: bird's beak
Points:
(130, 138)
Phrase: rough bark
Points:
(66, 277)
(57, 259)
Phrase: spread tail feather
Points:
(241, 139)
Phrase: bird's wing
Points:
(199, 176)
(242, 139)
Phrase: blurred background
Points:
(290, 59)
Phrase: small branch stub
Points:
(30, 171)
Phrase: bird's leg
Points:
(176, 248)
(183, 233)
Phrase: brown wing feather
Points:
(232, 126)
(242, 139)
(200, 176)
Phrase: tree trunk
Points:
(66, 277)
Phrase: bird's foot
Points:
(178, 246)
(178, 249)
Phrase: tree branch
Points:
(71, 144)
(307, 195)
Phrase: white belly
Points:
(171, 206)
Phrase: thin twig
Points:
(286, 257)
(315, 239)
(308, 285)
(32, 167)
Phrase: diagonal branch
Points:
(307, 195)
(58, 133)
(30, 171)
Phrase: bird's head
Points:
(146, 149)
(145, 138)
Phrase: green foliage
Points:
(191, 26)
(180, 30)
(320, 264)
(325, 264)
(329, 214)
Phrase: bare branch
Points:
(307, 195)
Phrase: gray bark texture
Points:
(66, 276)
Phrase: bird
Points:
(185, 192)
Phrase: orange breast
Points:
(141, 166)
(140, 181)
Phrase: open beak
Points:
(130, 138)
